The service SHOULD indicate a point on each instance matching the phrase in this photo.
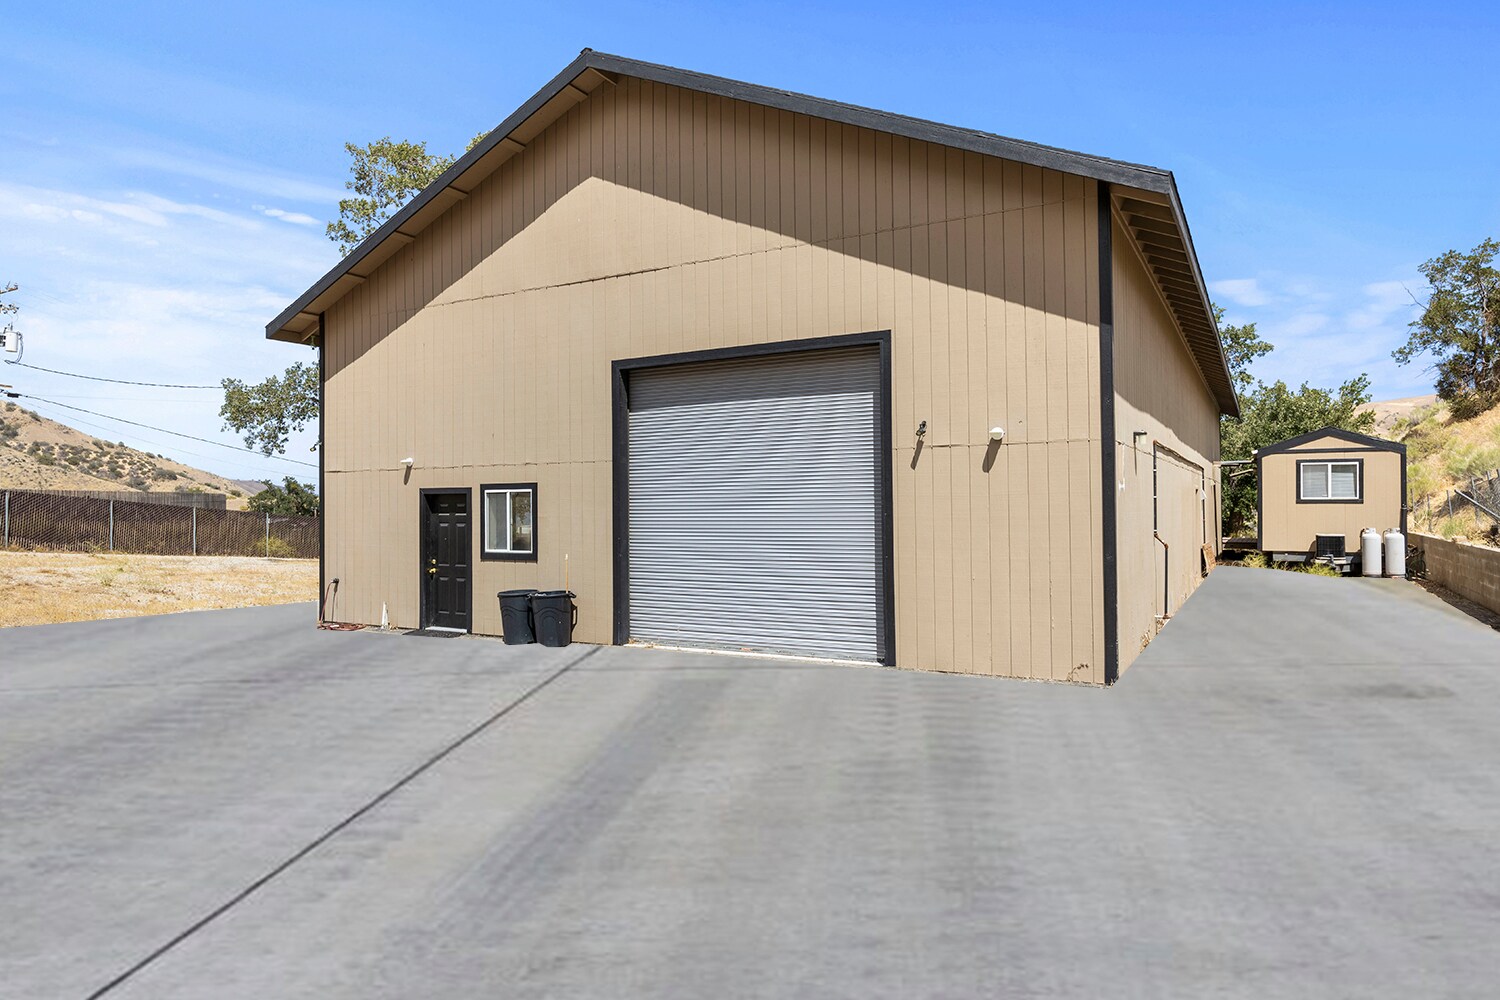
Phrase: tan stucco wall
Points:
(650, 220)
(1289, 526)
(1158, 391)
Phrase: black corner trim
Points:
(1107, 499)
(620, 461)
(322, 470)
(620, 498)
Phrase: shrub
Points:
(1256, 560)
(1426, 438)
(1467, 461)
(45, 458)
(1421, 482)
(1449, 527)
(279, 548)
(1320, 569)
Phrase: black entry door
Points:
(445, 559)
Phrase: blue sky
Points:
(168, 168)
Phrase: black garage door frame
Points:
(620, 457)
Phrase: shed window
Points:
(1328, 480)
(510, 521)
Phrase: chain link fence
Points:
(45, 521)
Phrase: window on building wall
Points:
(509, 521)
(1328, 481)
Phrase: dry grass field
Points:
(41, 587)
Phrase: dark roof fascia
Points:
(1097, 167)
(431, 191)
(1360, 441)
(1230, 405)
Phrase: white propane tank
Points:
(1395, 554)
(1369, 552)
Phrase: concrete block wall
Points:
(1472, 571)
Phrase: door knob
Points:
(432, 570)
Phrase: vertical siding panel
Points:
(1060, 486)
(936, 171)
(818, 180)
(833, 137)
(976, 485)
(963, 561)
(761, 179)
(849, 187)
(998, 337)
(944, 538)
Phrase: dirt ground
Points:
(41, 587)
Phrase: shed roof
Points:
(1145, 197)
(1354, 438)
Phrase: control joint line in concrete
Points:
(342, 824)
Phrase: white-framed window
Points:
(508, 515)
(1336, 480)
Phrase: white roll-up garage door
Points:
(755, 504)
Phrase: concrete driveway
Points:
(1292, 793)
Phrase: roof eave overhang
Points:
(1153, 216)
(298, 323)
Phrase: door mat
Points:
(434, 633)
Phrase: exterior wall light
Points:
(997, 433)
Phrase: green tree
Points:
(385, 175)
(1242, 345)
(291, 499)
(267, 413)
(1460, 329)
(1271, 413)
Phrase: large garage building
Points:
(750, 370)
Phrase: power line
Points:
(117, 381)
(163, 430)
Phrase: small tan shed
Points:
(1328, 484)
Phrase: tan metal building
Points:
(1318, 490)
(754, 370)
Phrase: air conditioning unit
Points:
(1329, 546)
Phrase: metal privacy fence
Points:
(85, 524)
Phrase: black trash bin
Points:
(553, 615)
(515, 616)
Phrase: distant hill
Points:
(41, 454)
(1443, 454)
(249, 486)
(1390, 414)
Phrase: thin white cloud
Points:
(151, 288)
(295, 218)
(1240, 291)
(248, 177)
